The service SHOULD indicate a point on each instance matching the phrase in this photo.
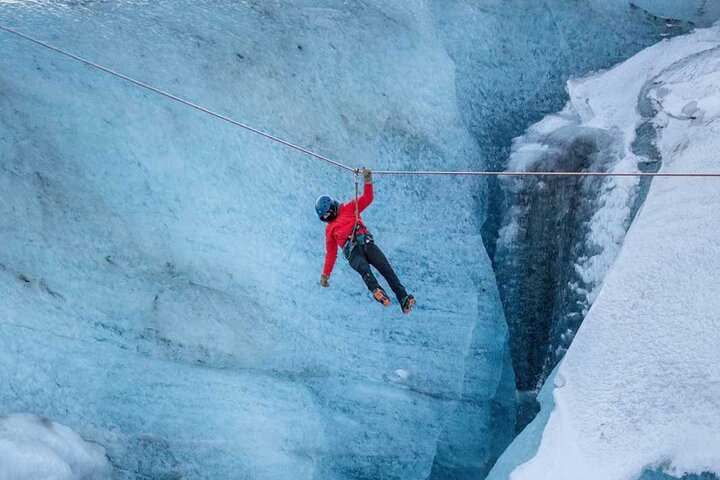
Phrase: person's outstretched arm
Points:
(330, 257)
(367, 197)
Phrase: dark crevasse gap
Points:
(546, 246)
(544, 295)
(511, 71)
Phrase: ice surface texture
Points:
(33, 448)
(159, 268)
(639, 386)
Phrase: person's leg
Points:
(360, 264)
(378, 260)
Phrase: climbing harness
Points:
(361, 238)
(335, 162)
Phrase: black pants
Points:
(364, 255)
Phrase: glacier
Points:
(158, 268)
(636, 395)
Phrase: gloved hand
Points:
(324, 280)
(367, 174)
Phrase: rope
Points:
(357, 181)
(357, 207)
(176, 98)
(335, 162)
(546, 174)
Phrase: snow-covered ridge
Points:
(561, 235)
(33, 448)
(639, 387)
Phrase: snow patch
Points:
(33, 448)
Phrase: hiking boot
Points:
(380, 295)
(407, 303)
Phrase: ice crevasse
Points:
(639, 387)
(158, 268)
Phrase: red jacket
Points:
(340, 229)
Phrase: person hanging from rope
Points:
(346, 229)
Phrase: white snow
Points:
(607, 101)
(640, 385)
(33, 448)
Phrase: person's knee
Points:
(356, 259)
(361, 267)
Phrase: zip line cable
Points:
(176, 98)
(335, 162)
(520, 173)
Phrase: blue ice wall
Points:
(514, 57)
(700, 12)
(159, 268)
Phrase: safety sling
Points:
(356, 238)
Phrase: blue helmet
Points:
(327, 208)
